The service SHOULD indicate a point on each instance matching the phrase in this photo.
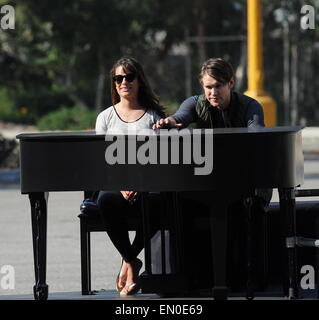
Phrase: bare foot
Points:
(121, 278)
(132, 283)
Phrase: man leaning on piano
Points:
(218, 107)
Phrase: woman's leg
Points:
(114, 210)
(133, 267)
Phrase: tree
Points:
(61, 52)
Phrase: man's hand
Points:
(130, 196)
(168, 122)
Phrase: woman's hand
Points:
(130, 196)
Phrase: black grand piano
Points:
(254, 157)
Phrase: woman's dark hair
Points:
(217, 68)
(146, 96)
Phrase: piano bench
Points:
(90, 221)
(307, 243)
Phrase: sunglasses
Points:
(128, 77)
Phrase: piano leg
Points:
(39, 234)
(288, 212)
(218, 221)
(147, 237)
(249, 242)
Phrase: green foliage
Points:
(75, 118)
(170, 107)
(6, 106)
(9, 112)
(61, 51)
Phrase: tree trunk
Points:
(200, 17)
(294, 84)
(77, 100)
(188, 66)
(71, 92)
(99, 96)
(286, 77)
(242, 67)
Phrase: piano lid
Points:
(242, 158)
(90, 134)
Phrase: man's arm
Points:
(255, 114)
(185, 115)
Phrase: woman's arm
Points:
(100, 124)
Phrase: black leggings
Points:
(115, 210)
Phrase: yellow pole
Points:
(255, 62)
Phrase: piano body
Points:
(76, 161)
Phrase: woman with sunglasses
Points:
(135, 107)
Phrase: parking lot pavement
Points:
(63, 245)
